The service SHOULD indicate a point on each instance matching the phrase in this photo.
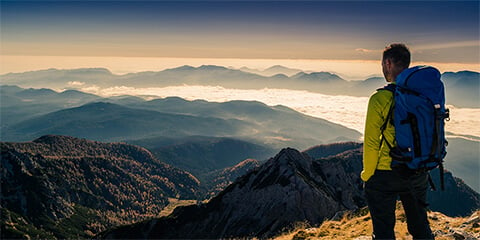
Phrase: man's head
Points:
(396, 58)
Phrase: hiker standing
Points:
(382, 185)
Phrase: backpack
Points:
(418, 112)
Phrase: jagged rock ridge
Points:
(292, 187)
(288, 188)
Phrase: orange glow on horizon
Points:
(348, 69)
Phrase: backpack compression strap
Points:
(390, 87)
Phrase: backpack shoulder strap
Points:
(390, 87)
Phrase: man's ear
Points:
(388, 62)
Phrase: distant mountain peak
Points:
(76, 93)
(101, 105)
(323, 76)
(212, 67)
(203, 68)
(276, 71)
(37, 92)
(280, 75)
(463, 72)
(54, 139)
(181, 68)
(90, 70)
(247, 69)
(278, 67)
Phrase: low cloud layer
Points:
(345, 110)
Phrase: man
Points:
(382, 184)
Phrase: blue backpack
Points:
(419, 116)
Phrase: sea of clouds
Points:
(348, 111)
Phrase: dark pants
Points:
(382, 191)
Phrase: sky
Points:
(443, 32)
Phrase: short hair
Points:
(398, 53)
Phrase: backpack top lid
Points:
(424, 80)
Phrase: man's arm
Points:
(372, 135)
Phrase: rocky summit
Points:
(288, 188)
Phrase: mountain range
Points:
(19, 104)
(461, 87)
(272, 71)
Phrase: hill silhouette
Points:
(177, 118)
(107, 122)
(199, 155)
(18, 104)
(462, 88)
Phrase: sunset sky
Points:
(437, 31)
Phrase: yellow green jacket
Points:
(374, 155)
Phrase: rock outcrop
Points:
(288, 188)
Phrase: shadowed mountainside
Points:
(220, 179)
(200, 155)
(112, 122)
(65, 187)
(18, 104)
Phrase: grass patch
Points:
(173, 203)
(14, 226)
(358, 225)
